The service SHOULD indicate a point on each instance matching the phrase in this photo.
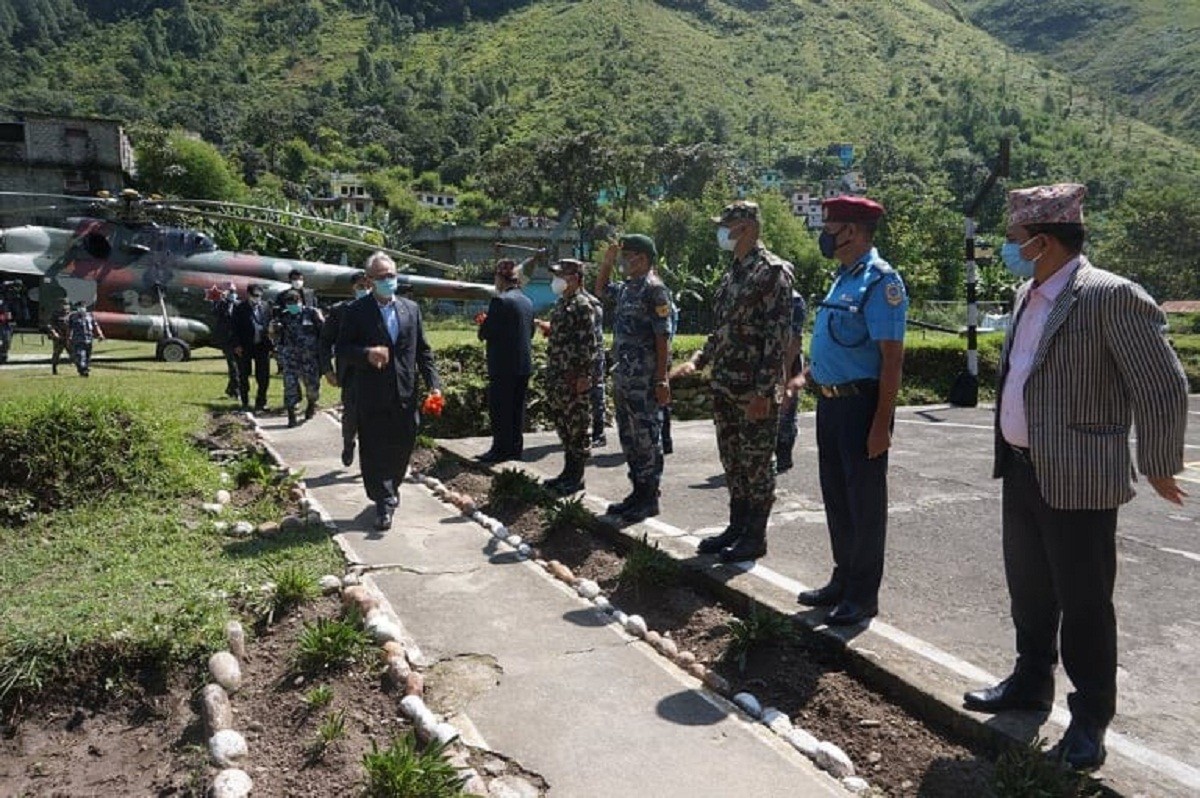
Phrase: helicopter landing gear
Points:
(173, 350)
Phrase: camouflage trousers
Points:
(300, 367)
(572, 415)
(746, 448)
(639, 426)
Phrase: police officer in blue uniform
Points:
(855, 365)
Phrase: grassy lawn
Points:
(139, 570)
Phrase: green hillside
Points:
(466, 89)
(1146, 52)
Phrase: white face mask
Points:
(558, 285)
(297, 284)
(724, 241)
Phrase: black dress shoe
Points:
(383, 517)
(1081, 747)
(1014, 693)
(827, 596)
(489, 457)
(848, 613)
(348, 453)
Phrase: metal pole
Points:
(965, 392)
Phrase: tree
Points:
(179, 165)
(1156, 241)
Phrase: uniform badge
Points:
(893, 294)
(663, 311)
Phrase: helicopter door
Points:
(55, 288)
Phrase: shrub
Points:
(402, 770)
(755, 630)
(62, 452)
(513, 489)
(1026, 772)
(647, 564)
(330, 645)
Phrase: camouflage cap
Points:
(639, 243)
(742, 209)
(567, 267)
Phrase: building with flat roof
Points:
(49, 154)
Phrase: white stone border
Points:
(825, 754)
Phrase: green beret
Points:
(640, 243)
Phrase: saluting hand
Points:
(1168, 488)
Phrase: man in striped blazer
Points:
(1085, 357)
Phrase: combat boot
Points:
(618, 508)
(291, 416)
(737, 526)
(645, 502)
(571, 479)
(783, 459)
(753, 542)
(310, 409)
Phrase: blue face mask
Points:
(293, 309)
(385, 287)
(1010, 253)
(359, 293)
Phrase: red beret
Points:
(850, 209)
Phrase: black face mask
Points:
(827, 242)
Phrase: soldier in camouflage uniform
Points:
(753, 318)
(596, 394)
(82, 329)
(642, 357)
(785, 440)
(60, 334)
(298, 342)
(572, 351)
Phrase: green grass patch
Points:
(121, 574)
(648, 565)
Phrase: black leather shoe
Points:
(383, 517)
(1081, 747)
(827, 596)
(1014, 693)
(348, 453)
(489, 457)
(848, 613)
(599, 441)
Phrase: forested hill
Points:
(1146, 51)
(465, 88)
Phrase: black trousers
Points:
(389, 434)
(349, 412)
(1061, 566)
(257, 359)
(854, 490)
(506, 409)
(231, 368)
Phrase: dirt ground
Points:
(152, 741)
(800, 674)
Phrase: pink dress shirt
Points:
(1031, 322)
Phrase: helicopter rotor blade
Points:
(336, 239)
(69, 197)
(290, 214)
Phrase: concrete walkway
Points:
(944, 625)
(527, 668)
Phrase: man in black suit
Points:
(382, 343)
(335, 373)
(252, 346)
(507, 329)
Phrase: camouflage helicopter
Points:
(149, 278)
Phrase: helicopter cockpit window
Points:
(202, 243)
